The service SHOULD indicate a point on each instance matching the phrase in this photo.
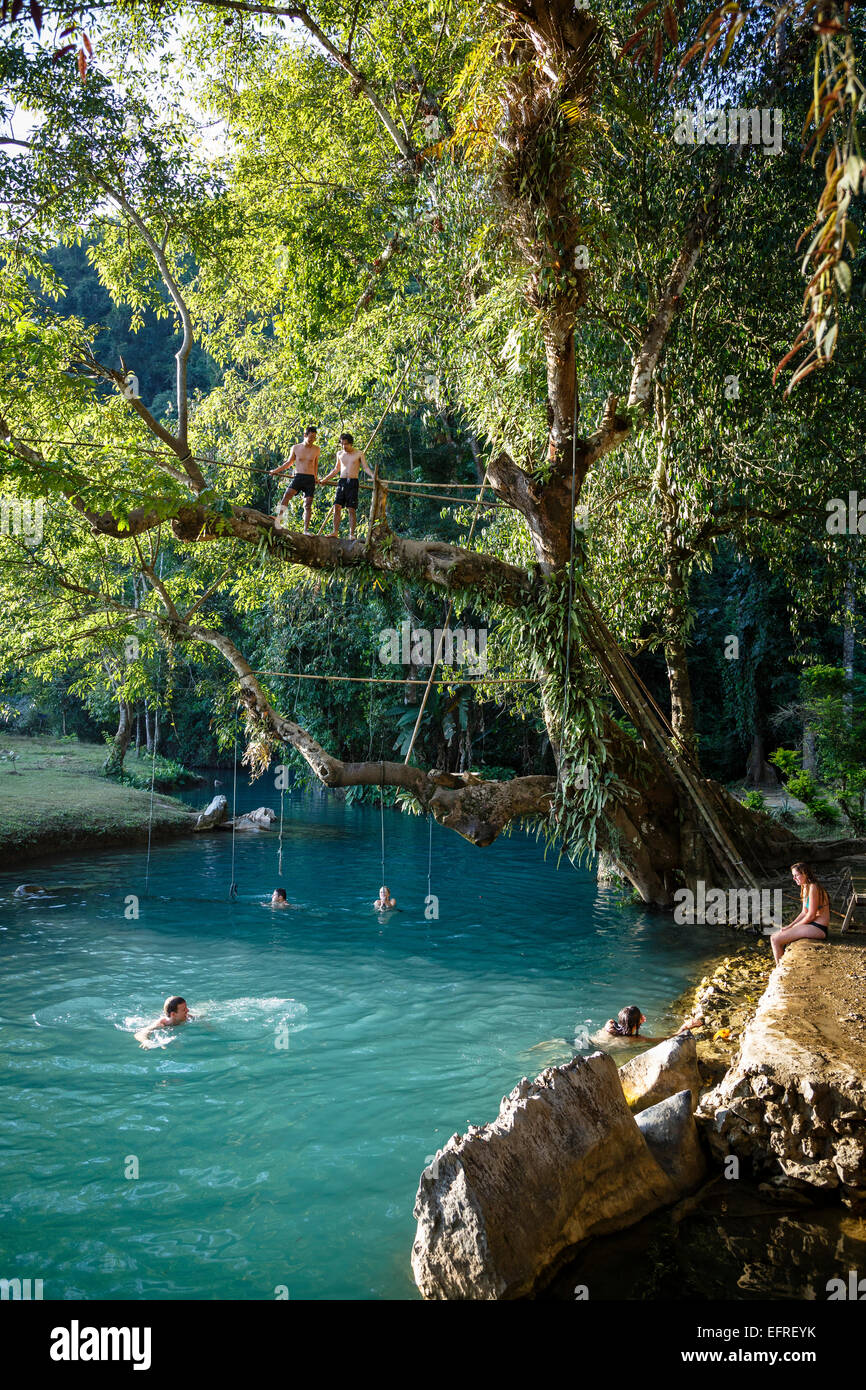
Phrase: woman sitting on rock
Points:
(812, 923)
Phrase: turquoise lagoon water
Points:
(296, 1165)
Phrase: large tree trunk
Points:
(680, 685)
(810, 755)
(113, 765)
(760, 773)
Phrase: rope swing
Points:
(233, 891)
(150, 816)
(280, 840)
(152, 766)
(566, 684)
(382, 819)
(442, 635)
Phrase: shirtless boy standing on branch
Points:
(349, 461)
(305, 458)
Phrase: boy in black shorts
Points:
(305, 458)
(349, 461)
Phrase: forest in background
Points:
(737, 699)
(486, 242)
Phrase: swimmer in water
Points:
(628, 1023)
(279, 899)
(174, 1011)
(384, 900)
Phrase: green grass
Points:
(57, 797)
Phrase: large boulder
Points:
(260, 819)
(501, 1205)
(794, 1101)
(662, 1071)
(213, 815)
(672, 1138)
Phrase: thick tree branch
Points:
(448, 568)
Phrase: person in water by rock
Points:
(812, 922)
(174, 1011)
(627, 1022)
(384, 900)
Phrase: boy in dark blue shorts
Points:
(349, 461)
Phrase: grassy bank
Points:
(53, 797)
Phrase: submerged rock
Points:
(662, 1071)
(564, 1160)
(672, 1138)
(213, 815)
(794, 1102)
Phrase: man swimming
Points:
(174, 1011)
(349, 461)
(279, 899)
(305, 459)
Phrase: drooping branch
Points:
(359, 82)
(157, 250)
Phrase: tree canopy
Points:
(470, 233)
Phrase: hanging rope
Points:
(442, 635)
(150, 817)
(152, 767)
(382, 818)
(233, 891)
(280, 841)
(399, 680)
(429, 856)
(566, 684)
(656, 730)
(370, 714)
(411, 466)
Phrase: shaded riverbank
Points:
(771, 1225)
(730, 1241)
(54, 798)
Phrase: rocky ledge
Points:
(794, 1101)
(565, 1159)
